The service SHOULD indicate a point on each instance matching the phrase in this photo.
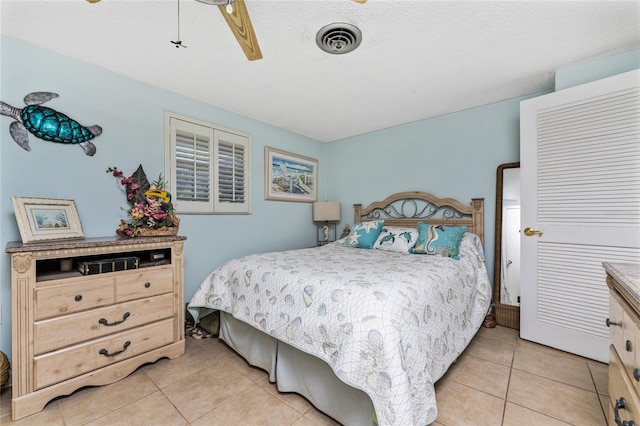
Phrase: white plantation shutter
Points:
(231, 152)
(207, 167)
(193, 168)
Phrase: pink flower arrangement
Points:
(145, 211)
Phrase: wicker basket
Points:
(149, 232)
(4, 369)
(508, 316)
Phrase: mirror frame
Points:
(506, 315)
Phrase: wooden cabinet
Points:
(624, 352)
(71, 330)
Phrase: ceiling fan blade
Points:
(242, 29)
(360, 1)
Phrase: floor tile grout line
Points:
(506, 401)
(256, 383)
(557, 381)
(237, 370)
(539, 412)
(506, 395)
(593, 379)
(62, 410)
(283, 400)
(167, 397)
(530, 345)
(213, 408)
(496, 340)
(472, 388)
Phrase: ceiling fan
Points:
(237, 17)
(238, 20)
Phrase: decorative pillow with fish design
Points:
(439, 240)
(364, 234)
(393, 238)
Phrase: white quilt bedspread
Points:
(387, 323)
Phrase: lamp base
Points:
(326, 233)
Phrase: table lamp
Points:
(326, 211)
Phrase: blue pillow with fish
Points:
(397, 239)
(439, 240)
(364, 234)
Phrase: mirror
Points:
(506, 273)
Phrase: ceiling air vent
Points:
(338, 38)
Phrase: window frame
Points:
(216, 135)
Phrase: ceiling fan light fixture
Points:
(227, 3)
(339, 38)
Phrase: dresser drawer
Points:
(56, 333)
(625, 337)
(616, 318)
(620, 387)
(79, 295)
(73, 361)
(144, 283)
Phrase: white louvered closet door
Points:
(580, 187)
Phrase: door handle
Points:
(531, 232)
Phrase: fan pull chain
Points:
(178, 42)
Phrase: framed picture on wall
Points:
(45, 219)
(289, 177)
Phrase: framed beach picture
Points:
(44, 219)
(289, 177)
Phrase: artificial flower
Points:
(144, 211)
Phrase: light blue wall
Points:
(596, 70)
(132, 116)
(455, 155)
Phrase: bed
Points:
(363, 334)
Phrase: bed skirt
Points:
(299, 372)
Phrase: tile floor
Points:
(499, 380)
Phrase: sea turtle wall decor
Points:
(47, 123)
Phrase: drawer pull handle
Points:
(610, 323)
(620, 403)
(104, 322)
(628, 346)
(126, 345)
(147, 285)
(78, 298)
(636, 374)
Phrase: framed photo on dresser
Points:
(46, 219)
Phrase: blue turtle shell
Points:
(54, 126)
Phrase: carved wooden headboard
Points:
(409, 208)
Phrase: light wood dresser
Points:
(623, 280)
(71, 330)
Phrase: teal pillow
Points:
(439, 240)
(364, 234)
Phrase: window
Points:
(207, 167)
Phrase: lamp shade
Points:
(326, 211)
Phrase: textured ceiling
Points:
(418, 59)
